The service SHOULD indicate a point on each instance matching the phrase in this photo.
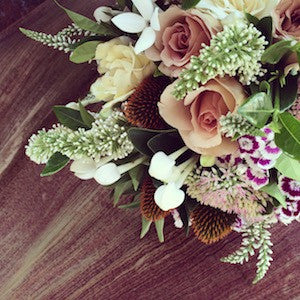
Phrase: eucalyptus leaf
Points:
(120, 189)
(145, 227)
(187, 4)
(55, 163)
(69, 117)
(288, 167)
(84, 52)
(257, 109)
(87, 118)
(275, 52)
(136, 175)
(159, 225)
(288, 140)
(88, 24)
(273, 190)
(288, 93)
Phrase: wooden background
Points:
(61, 238)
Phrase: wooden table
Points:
(61, 238)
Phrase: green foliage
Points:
(55, 163)
(265, 26)
(84, 52)
(131, 205)
(187, 4)
(288, 140)
(159, 225)
(273, 190)
(257, 109)
(288, 167)
(288, 93)
(86, 117)
(145, 227)
(136, 175)
(123, 186)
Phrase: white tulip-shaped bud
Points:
(169, 196)
(107, 174)
(161, 166)
(84, 168)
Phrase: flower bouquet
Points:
(199, 117)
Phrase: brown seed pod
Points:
(211, 224)
(149, 208)
(141, 108)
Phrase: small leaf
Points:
(84, 52)
(131, 205)
(159, 225)
(288, 167)
(55, 163)
(273, 190)
(187, 4)
(275, 52)
(252, 19)
(145, 227)
(288, 93)
(86, 117)
(68, 117)
(265, 26)
(88, 24)
(288, 140)
(136, 175)
(257, 109)
(120, 189)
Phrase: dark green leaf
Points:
(252, 19)
(159, 225)
(264, 86)
(257, 109)
(288, 167)
(288, 140)
(87, 24)
(136, 175)
(55, 163)
(187, 4)
(265, 26)
(273, 190)
(69, 117)
(85, 52)
(131, 205)
(145, 227)
(275, 52)
(120, 189)
(86, 117)
(288, 93)
(185, 218)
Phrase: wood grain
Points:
(61, 238)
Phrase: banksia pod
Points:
(149, 208)
(141, 108)
(211, 224)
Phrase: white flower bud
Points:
(107, 174)
(84, 168)
(161, 166)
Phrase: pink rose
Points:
(180, 37)
(197, 116)
(287, 19)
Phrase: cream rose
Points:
(197, 116)
(222, 8)
(123, 70)
(287, 19)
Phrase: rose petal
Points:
(145, 41)
(129, 22)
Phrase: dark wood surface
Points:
(61, 238)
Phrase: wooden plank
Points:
(61, 238)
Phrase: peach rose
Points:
(287, 19)
(197, 116)
(180, 37)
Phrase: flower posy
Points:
(217, 148)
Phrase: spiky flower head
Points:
(107, 137)
(141, 108)
(149, 208)
(235, 51)
(211, 224)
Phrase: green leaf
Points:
(88, 24)
(273, 190)
(69, 117)
(136, 175)
(288, 167)
(86, 117)
(288, 140)
(275, 52)
(157, 73)
(159, 225)
(85, 52)
(131, 205)
(288, 93)
(265, 26)
(145, 227)
(257, 109)
(55, 163)
(252, 19)
(120, 189)
(187, 4)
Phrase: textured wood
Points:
(61, 238)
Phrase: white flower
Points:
(161, 166)
(105, 13)
(169, 196)
(146, 23)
